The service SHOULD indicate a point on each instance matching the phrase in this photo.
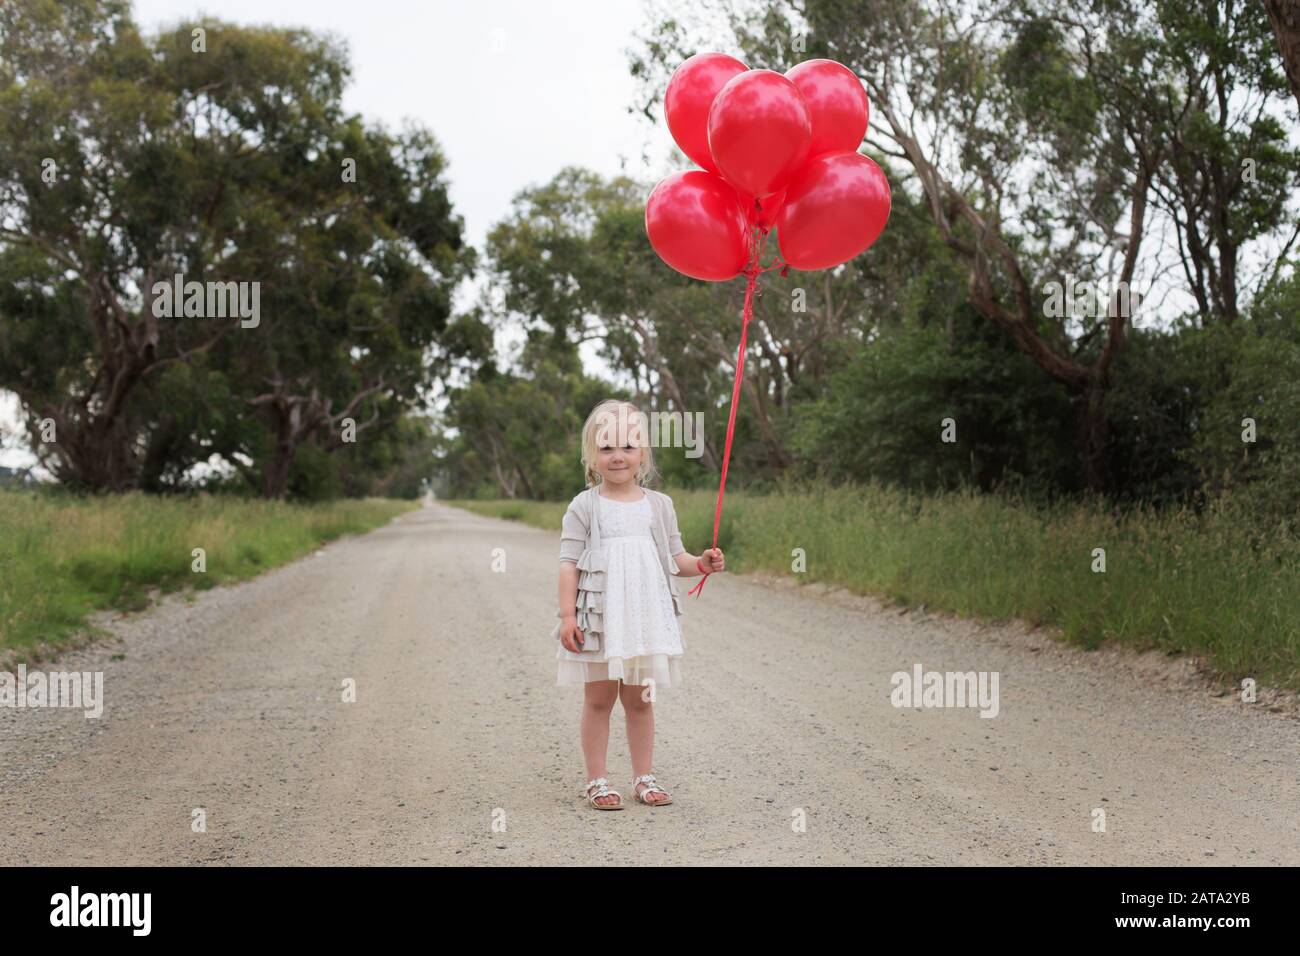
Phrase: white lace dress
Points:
(642, 638)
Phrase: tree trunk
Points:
(1093, 436)
(275, 476)
(294, 418)
(1284, 15)
(96, 455)
(275, 473)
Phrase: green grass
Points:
(1218, 586)
(63, 557)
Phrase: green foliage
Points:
(314, 475)
(882, 416)
(1256, 375)
(222, 166)
(394, 463)
(1151, 411)
(519, 436)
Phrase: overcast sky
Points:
(513, 90)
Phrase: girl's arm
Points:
(688, 565)
(568, 590)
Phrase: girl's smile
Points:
(618, 467)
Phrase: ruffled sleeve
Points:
(592, 568)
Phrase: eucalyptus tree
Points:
(215, 161)
(1099, 145)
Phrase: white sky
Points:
(513, 91)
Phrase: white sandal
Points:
(599, 787)
(651, 787)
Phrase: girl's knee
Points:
(600, 696)
(634, 697)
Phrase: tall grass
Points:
(1216, 585)
(62, 557)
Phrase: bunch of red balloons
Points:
(776, 151)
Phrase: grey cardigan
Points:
(580, 544)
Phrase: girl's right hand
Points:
(570, 636)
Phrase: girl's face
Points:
(618, 450)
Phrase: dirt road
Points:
(783, 747)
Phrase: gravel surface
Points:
(782, 747)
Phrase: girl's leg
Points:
(640, 730)
(597, 705)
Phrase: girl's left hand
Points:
(712, 559)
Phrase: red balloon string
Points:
(752, 272)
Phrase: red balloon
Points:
(836, 102)
(763, 212)
(835, 207)
(697, 224)
(759, 131)
(690, 93)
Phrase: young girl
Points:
(630, 603)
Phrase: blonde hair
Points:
(617, 412)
